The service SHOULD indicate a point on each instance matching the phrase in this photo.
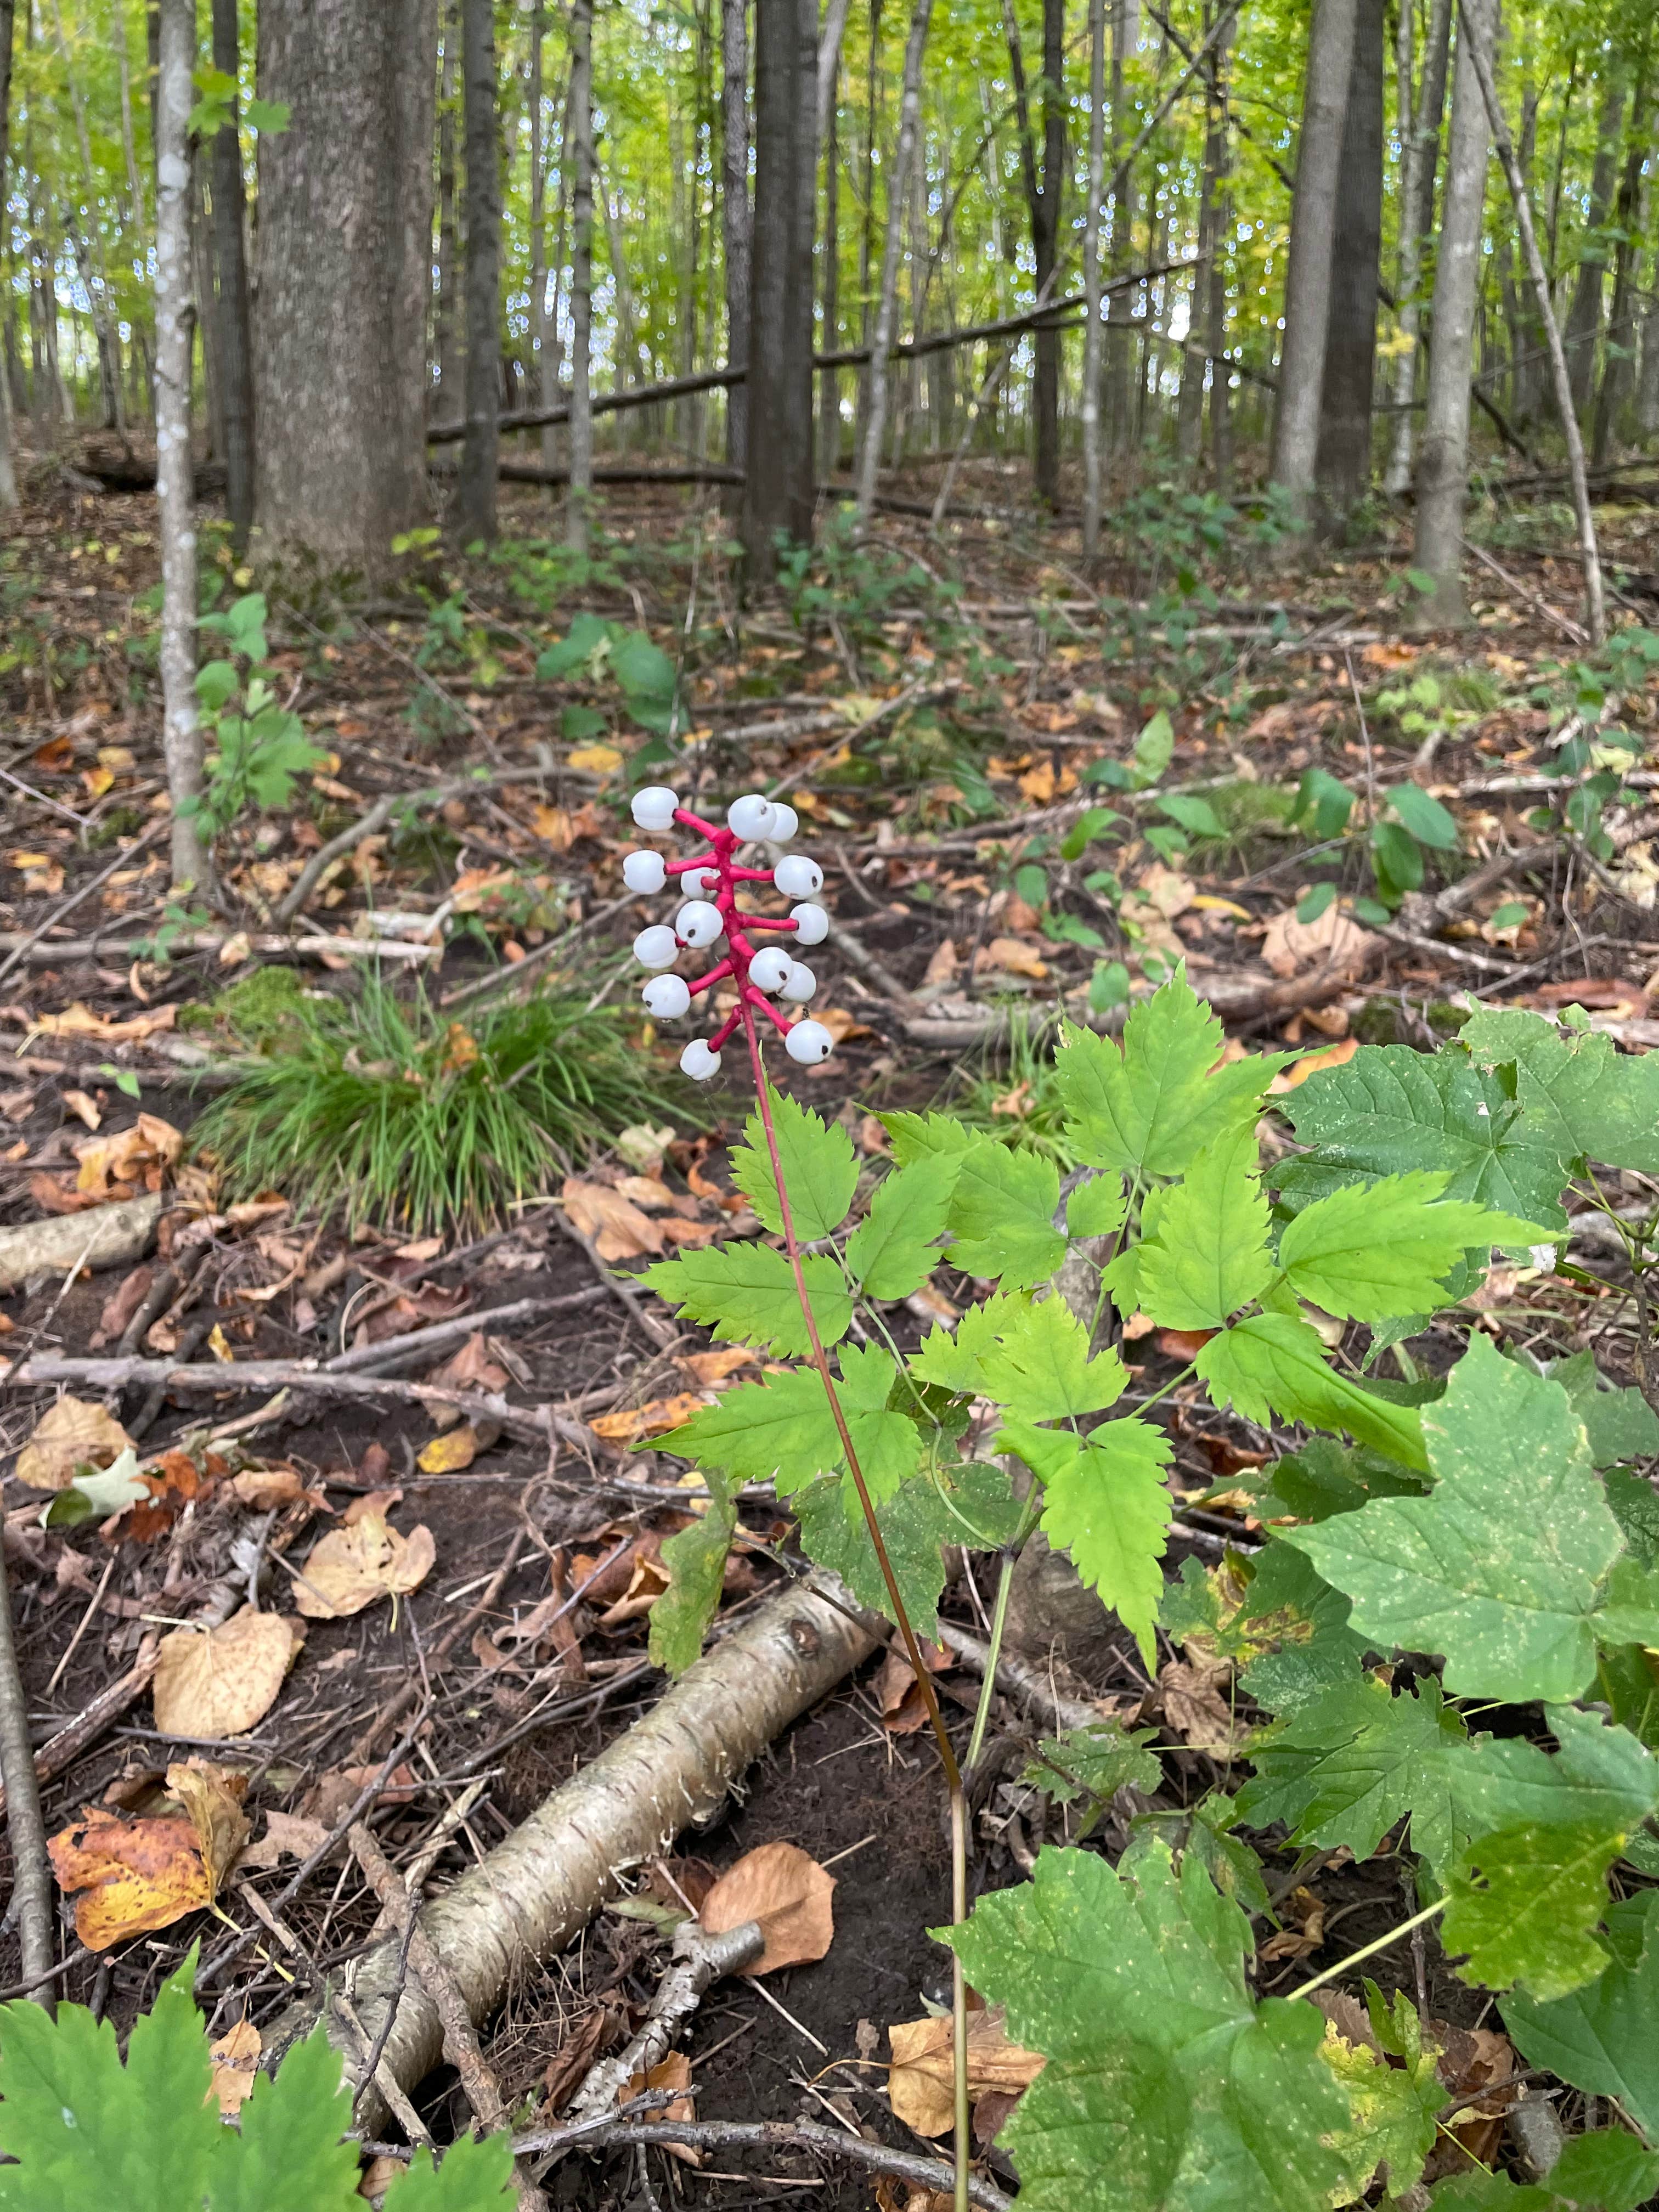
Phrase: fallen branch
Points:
(699, 1960)
(102, 1236)
(1426, 913)
(435, 794)
(1240, 1000)
(30, 1871)
(31, 950)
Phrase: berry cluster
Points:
(713, 877)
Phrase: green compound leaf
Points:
(696, 1560)
(1525, 1904)
(1095, 1207)
(1608, 2170)
(1040, 1369)
(1151, 1106)
(1369, 1252)
(1573, 1088)
(1272, 1363)
(476, 2176)
(973, 1504)
(1389, 1111)
(1002, 1217)
(1167, 2089)
(923, 1136)
(894, 1248)
(1207, 1253)
(952, 1359)
(782, 1426)
(1106, 1504)
(746, 1293)
(1094, 1763)
(1604, 2038)
(820, 1170)
(1499, 1565)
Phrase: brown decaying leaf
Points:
(350, 1568)
(287, 1836)
(222, 1681)
(212, 1797)
(264, 1487)
(1194, 1706)
(120, 1306)
(651, 1420)
(332, 1793)
(1293, 1078)
(1305, 1938)
(897, 1692)
(70, 1434)
(1334, 940)
(920, 2085)
(789, 1893)
(79, 1020)
(596, 2034)
(1014, 958)
(618, 1229)
(235, 2057)
(130, 1160)
(674, 2072)
(131, 1876)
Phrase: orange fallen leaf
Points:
(653, 1420)
(1014, 958)
(711, 1368)
(84, 1108)
(789, 1893)
(1291, 1078)
(235, 2057)
(897, 1694)
(79, 1020)
(920, 2083)
(674, 2072)
(351, 1568)
(264, 1487)
(646, 1584)
(619, 1230)
(138, 1159)
(130, 1875)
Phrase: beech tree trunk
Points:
(181, 736)
(345, 245)
(1091, 334)
(1343, 463)
(8, 34)
(445, 325)
(887, 299)
(579, 157)
(778, 486)
(1420, 128)
(1308, 273)
(1584, 316)
(737, 221)
(1442, 465)
(474, 499)
(235, 338)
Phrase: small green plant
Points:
(261, 746)
(380, 1107)
(642, 671)
(1406, 821)
(84, 2129)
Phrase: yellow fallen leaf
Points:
(79, 1020)
(1207, 903)
(220, 1681)
(450, 1453)
(130, 1875)
(650, 1420)
(219, 1345)
(1015, 957)
(236, 948)
(920, 2083)
(350, 1568)
(70, 1434)
(235, 2057)
(711, 1368)
(595, 760)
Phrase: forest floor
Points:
(1025, 800)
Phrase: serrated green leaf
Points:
(1296, 1636)
(1345, 1768)
(1208, 1255)
(1270, 1363)
(289, 2155)
(782, 1426)
(1095, 1207)
(1606, 2171)
(1604, 2038)
(1094, 1763)
(1580, 1095)
(1040, 1367)
(1391, 1111)
(1325, 1477)
(1167, 2089)
(746, 1293)
(1498, 1566)
(1152, 1105)
(923, 1136)
(1387, 1248)
(894, 1248)
(951, 1359)
(695, 1557)
(820, 1170)
(1620, 1423)
(1629, 1611)
(1635, 1506)
(1394, 2112)
(973, 1504)
(1107, 1505)
(475, 2175)
(1002, 1216)
(1524, 1904)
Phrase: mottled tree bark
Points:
(475, 498)
(1343, 462)
(7, 33)
(345, 244)
(1045, 245)
(1091, 338)
(736, 217)
(235, 338)
(1618, 370)
(578, 159)
(446, 323)
(1583, 321)
(778, 488)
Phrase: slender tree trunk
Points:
(1647, 388)
(1442, 465)
(829, 42)
(235, 340)
(1419, 132)
(89, 252)
(445, 332)
(1343, 463)
(539, 329)
(1120, 340)
(801, 292)
(475, 497)
(1045, 242)
(181, 735)
(736, 219)
(340, 314)
(778, 488)
(887, 299)
(1584, 316)
(829, 319)
(579, 154)
(873, 79)
(1308, 274)
(1189, 407)
(1092, 333)
(1618, 370)
(8, 34)
(1221, 391)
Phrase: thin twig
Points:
(31, 1870)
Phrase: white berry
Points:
(644, 872)
(798, 984)
(653, 807)
(751, 816)
(698, 923)
(769, 971)
(812, 924)
(667, 997)
(698, 1062)
(785, 822)
(797, 877)
(656, 947)
(701, 883)
(809, 1042)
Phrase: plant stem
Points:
(1381, 1944)
(924, 1678)
(998, 1621)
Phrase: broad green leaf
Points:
(1581, 1095)
(1601, 1777)
(1372, 1251)
(1325, 1477)
(1040, 1368)
(1208, 1256)
(475, 2175)
(1498, 1566)
(894, 1248)
(1094, 1763)
(971, 1504)
(1270, 1363)
(1525, 1905)
(695, 1560)
(1002, 1216)
(1635, 1506)
(887, 1442)
(820, 1170)
(643, 669)
(1151, 1106)
(1345, 1768)
(1107, 1507)
(1394, 2114)
(1606, 2171)
(1095, 1207)
(1425, 817)
(921, 1136)
(289, 2155)
(1228, 1860)
(782, 1426)
(1167, 2088)
(1295, 1632)
(1620, 1423)
(951, 1358)
(746, 1293)
(1629, 1612)
(1604, 2038)
(1390, 1111)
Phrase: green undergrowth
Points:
(382, 1108)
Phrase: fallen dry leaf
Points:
(576, 2056)
(1302, 1940)
(265, 1487)
(220, 1682)
(84, 1108)
(789, 1893)
(449, 1453)
(650, 1420)
(940, 971)
(333, 1793)
(897, 1693)
(711, 1368)
(841, 1024)
(471, 1368)
(130, 1160)
(1291, 1078)
(72, 1433)
(212, 1797)
(350, 1568)
(1014, 958)
(618, 1229)
(1194, 1706)
(1335, 940)
(128, 1876)
(674, 2072)
(235, 2057)
(920, 2085)
(287, 1836)
(647, 1582)
(79, 1020)
(121, 1305)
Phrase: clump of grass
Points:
(383, 1108)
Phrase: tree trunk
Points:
(1045, 241)
(887, 299)
(829, 42)
(474, 499)
(1647, 388)
(1091, 338)
(1189, 407)
(1221, 374)
(1442, 465)
(830, 319)
(1120, 342)
(1308, 271)
(578, 156)
(1419, 132)
(539, 337)
(181, 736)
(736, 217)
(89, 252)
(235, 341)
(340, 314)
(445, 325)
(1619, 371)
(8, 34)
(1343, 463)
(1584, 316)
(778, 486)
